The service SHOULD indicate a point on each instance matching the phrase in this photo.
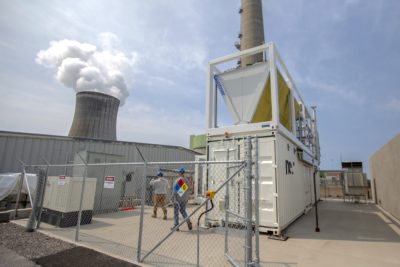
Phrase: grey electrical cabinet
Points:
(62, 199)
(64, 194)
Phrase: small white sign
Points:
(109, 182)
(61, 180)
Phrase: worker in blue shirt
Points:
(180, 197)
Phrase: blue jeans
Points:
(179, 207)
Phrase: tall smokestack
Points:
(95, 116)
(251, 30)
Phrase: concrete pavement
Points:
(351, 235)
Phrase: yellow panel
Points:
(284, 103)
(264, 107)
(297, 108)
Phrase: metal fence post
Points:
(143, 199)
(226, 202)
(21, 182)
(27, 188)
(249, 206)
(198, 246)
(256, 201)
(78, 222)
(42, 198)
(39, 190)
(316, 203)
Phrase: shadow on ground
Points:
(81, 257)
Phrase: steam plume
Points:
(82, 67)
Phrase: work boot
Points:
(190, 226)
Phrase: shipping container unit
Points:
(263, 102)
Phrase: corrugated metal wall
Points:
(385, 172)
(34, 148)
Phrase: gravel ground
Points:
(50, 252)
(30, 245)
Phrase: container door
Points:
(112, 194)
(267, 179)
(199, 176)
(97, 172)
(307, 186)
(217, 173)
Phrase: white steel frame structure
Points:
(305, 135)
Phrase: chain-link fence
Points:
(188, 236)
(168, 213)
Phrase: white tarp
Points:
(9, 184)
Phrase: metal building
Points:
(35, 148)
(39, 148)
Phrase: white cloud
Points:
(69, 70)
(64, 49)
(82, 67)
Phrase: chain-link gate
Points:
(187, 237)
(117, 208)
(224, 235)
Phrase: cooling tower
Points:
(95, 116)
(251, 30)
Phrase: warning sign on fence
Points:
(109, 182)
(61, 180)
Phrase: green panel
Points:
(197, 141)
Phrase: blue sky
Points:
(343, 55)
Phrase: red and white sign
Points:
(109, 182)
(61, 180)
